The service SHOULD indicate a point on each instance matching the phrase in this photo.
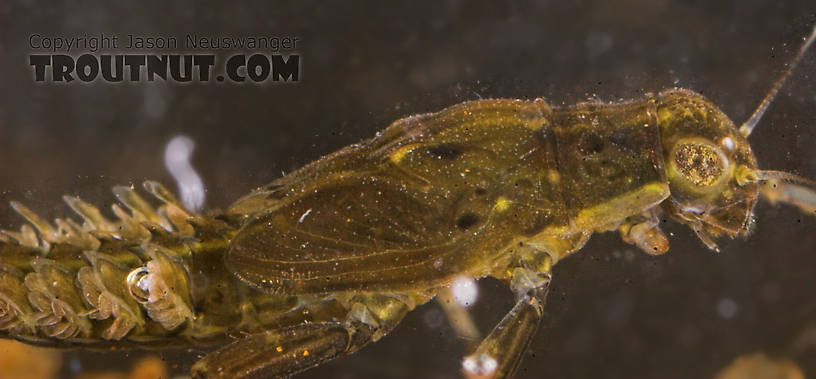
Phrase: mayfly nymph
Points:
(331, 257)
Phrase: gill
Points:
(65, 295)
(157, 280)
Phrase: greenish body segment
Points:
(451, 193)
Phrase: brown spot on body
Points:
(446, 151)
(467, 220)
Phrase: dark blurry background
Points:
(613, 312)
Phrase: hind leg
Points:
(289, 350)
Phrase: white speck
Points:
(145, 283)
(481, 365)
(490, 364)
(177, 160)
(438, 263)
(464, 291)
(303, 216)
(694, 210)
(470, 365)
(728, 143)
(727, 308)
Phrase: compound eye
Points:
(701, 165)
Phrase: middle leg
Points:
(499, 354)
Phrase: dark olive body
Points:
(332, 256)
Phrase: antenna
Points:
(748, 126)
